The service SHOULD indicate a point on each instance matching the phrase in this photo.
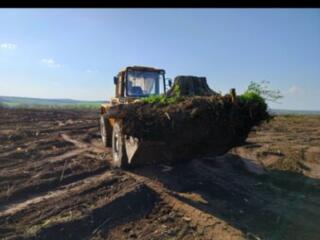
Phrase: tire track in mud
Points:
(37, 189)
(82, 145)
(68, 190)
(81, 208)
(124, 205)
(19, 181)
(211, 226)
(208, 225)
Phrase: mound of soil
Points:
(193, 125)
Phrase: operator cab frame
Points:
(136, 82)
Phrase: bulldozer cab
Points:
(137, 82)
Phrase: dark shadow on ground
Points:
(274, 205)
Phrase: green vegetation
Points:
(21, 102)
(250, 97)
(260, 93)
(163, 99)
(154, 99)
(261, 89)
(64, 106)
(176, 91)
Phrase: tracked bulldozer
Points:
(131, 84)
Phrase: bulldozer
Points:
(192, 121)
(131, 84)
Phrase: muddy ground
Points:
(56, 183)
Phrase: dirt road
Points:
(56, 183)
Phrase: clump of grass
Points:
(251, 97)
(253, 102)
(176, 90)
(154, 99)
(163, 99)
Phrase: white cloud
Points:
(50, 63)
(10, 46)
(91, 71)
(293, 90)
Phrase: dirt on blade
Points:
(192, 126)
(56, 183)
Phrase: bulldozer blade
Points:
(145, 152)
(132, 145)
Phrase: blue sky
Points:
(74, 53)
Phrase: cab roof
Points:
(142, 68)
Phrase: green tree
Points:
(262, 89)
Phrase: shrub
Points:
(250, 97)
(264, 91)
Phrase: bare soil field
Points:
(56, 183)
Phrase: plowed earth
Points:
(56, 183)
